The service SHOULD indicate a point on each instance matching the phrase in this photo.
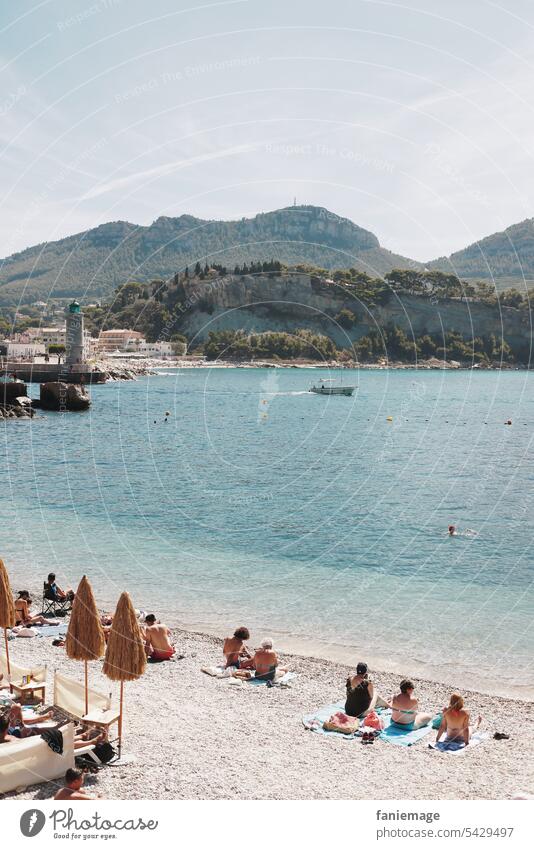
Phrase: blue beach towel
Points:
(394, 734)
(314, 721)
(454, 747)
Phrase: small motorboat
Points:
(323, 389)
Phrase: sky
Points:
(415, 120)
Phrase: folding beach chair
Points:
(53, 605)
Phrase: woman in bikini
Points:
(455, 721)
(23, 615)
(405, 709)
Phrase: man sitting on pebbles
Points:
(157, 640)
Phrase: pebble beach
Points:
(191, 736)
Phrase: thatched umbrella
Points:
(125, 653)
(85, 636)
(7, 608)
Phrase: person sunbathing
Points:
(53, 591)
(405, 709)
(234, 648)
(23, 616)
(455, 722)
(264, 663)
(157, 643)
(5, 737)
(361, 695)
(73, 787)
(20, 726)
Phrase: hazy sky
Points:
(415, 120)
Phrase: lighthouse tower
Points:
(74, 335)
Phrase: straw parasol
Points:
(125, 654)
(7, 608)
(85, 636)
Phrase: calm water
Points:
(309, 518)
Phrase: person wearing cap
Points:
(361, 695)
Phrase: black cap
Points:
(361, 669)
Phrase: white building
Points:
(22, 350)
(117, 339)
(149, 349)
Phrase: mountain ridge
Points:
(94, 262)
(91, 264)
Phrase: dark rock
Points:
(64, 396)
(12, 390)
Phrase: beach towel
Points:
(54, 739)
(52, 630)
(400, 737)
(218, 671)
(282, 680)
(314, 721)
(454, 747)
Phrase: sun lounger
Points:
(69, 696)
(31, 761)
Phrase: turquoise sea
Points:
(312, 519)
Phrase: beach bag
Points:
(341, 723)
(373, 720)
(105, 752)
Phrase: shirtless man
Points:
(455, 721)
(405, 709)
(19, 726)
(157, 642)
(73, 787)
(235, 650)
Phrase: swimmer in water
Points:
(452, 531)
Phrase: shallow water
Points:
(311, 518)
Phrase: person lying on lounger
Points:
(73, 787)
(23, 616)
(235, 650)
(157, 643)
(21, 727)
(405, 709)
(361, 695)
(455, 721)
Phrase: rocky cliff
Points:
(288, 302)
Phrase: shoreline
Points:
(141, 368)
(309, 648)
(254, 745)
